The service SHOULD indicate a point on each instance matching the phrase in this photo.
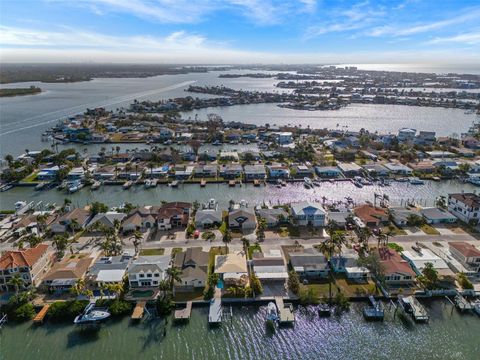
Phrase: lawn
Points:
(175, 251)
(189, 296)
(30, 178)
(289, 231)
(353, 288)
(320, 288)
(223, 227)
(252, 249)
(146, 252)
(429, 230)
(215, 250)
(392, 230)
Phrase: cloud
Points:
(470, 38)
(412, 29)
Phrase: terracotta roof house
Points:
(371, 216)
(64, 222)
(397, 271)
(172, 215)
(29, 265)
(194, 265)
(63, 275)
(467, 254)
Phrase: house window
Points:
(156, 275)
(141, 275)
(149, 275)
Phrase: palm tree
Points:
(79, 288)
(164, 286)
(42, 221)
(227, 238)
(117, 289)
(16, 281)
(60, 242)
(174, 275)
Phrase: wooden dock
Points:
(183, 314)
(285, 311)
(139, 310)
(215, 311)
(38, 319)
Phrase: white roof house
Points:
(418, 260)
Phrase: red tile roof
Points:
(22, 258)
(466, 249)
(370, 214)
(394, 263)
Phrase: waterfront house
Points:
(28, 224)
(309, 214)
(183, 172)
(148, 271)
(77, 218)
(232, 268)
(439, 154)
(254, 172)
(109, 270)
(350, 169)
(346, 263)
(425, 167)
(401, 215)
(309, 263)
(105, 172)
(158, 172)
(171, 215)
(465, 206)
(231, 171)
(406, 135)
(467, 254)
(425, 138)
(371, 216)
(397, 271)
(376, 170)
(205, 171)
(398, 168)
(278, 171)
(284, 138)
(48, 174)
(29, 265)
(339, 218)
(207, 218)
(302, 171)
(243, 219)
(273, 217)
(140, 218)
(470, 142)
(76, 174)
(419, 258)
(193, 262)
(228, 156)
(270, 267)
(435, 215)
(64, 274)
(328, 171)
(106, 220)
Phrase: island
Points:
(32, 90)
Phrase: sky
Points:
(240, 31)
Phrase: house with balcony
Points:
(254, 172)
(278, 171)
(467, 254)
(30, 265)
(309, 263)
(64, 274)
(465, 206)
(148, 271)
(309, 214)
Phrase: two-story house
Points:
(148, 271)
(465, 206)
(194, 266)
(29, 265)
(467, 254)
(309, 214)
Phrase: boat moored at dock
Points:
(91, 315)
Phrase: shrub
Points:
(165, 305)
(309, 296)
(464, 282)
(293, 282)
(120, 307)
(341, 302)
(208, 293)
(24, 312)
(395, 246)
(255, 284)
(66, 310)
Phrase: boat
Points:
(256, 182)
(358, 184)
(375, 311)
(411, 306)
(41, 186)
(216, 143)
(231, 183)
(476, 306)
(436, 178)
(74, 186)
(154, 183)
(462, 304)
(324, 310)
(307, 182)
(272, 314)
(174, 184)
(91, 315)
(203, 183)
(474, 180)
(148, 184)
(416, 181)
(316, 183)
(331, 181)
(96, 185)
(127, 185)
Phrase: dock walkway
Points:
(139, 310)
(183, 314)
(285, 312)
(41, 314)
(418, 311)
(215, 311)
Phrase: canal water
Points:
(448, 335)
(112, 195)
(24, 118)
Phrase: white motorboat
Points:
(96, 185)
(272, 314)
(91, 315)
(148, 184)
(476, 306)
(127, 185)
(74, 186)
(308, 182)
(416, 181)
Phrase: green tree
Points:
(293, 282)
(374, 264)
(174, 274)
(227, 238)
(429, 277)
(255, 284)
(16, 281)
(97, 208)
